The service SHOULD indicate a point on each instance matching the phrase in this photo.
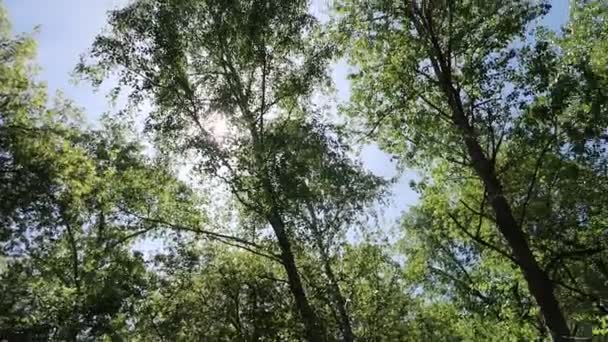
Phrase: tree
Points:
(456, 89)
(253, 65)
(71, 199)
(507, 242)
(213, 292)
(71, 213)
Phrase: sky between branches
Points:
(67, 28)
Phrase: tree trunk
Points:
(333, 287)
(539, 284)
(314, 329)
(345, 326)
(312, 326)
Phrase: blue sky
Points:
(67, 28)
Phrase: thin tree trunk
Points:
(314, 330)
(312, 326)
(334, 289)
(347, 330)
(74, 328)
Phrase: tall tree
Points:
(250, 64)
(456, 89)
(71, 201)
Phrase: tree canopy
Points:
(243, 212)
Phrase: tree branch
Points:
(227, 239)
(481, 241)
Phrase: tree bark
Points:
(334, 289)
(539, 283)
(312, 326)
(347, 331)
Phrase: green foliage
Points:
(218, 294)
(71, 199)
(603, 328)
(256, 245)
(535, 108)
(252, 66)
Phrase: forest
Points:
(225, 197)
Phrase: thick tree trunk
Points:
(314, 329)
(539, 284)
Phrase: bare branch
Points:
(532, 184)
(477, 212)
(227, 239)
(482, 241)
